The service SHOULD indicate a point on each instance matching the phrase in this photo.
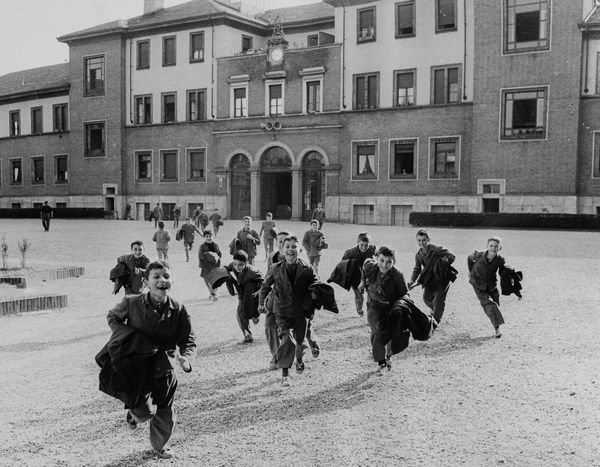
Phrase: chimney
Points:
(152, 6)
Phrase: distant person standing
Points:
(157, 215)
(267, 231)
(319, 214)
(176, 214)
(162, 239)
(217, 221)
(46, 214)
(196, 215)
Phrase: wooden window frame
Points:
(397, 6)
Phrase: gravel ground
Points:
(463, 397)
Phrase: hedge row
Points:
(515, 220)
(61, 213)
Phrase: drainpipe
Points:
(344, 57)
(212, 69)
(585, 47)
(465, 50)
(131, 81)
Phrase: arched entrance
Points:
(276, 183)
(240, 186)
(313, 183)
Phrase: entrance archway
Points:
(313, 183)
(276, 183)
(240, 186)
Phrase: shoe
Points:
(299, 367)
(285, 382)
(131, 422)
(315, 350)
(498, 333)
(166, 453)
(215, 298)
(272, 365)
(248, 339)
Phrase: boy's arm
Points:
(416, 270)
(265, 288)
(186, 341)
(256, 236)
(262, 227)
(118, 315)
(154, 237)
(471, 261)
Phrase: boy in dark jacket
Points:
(312, 243)
(384, 285)
(435, 289)
(249, 239)
(361, 252)
(483, 269)
(187, 233)
(135, 266)
(209, 257)
(166, 324)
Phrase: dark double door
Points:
(276, 194)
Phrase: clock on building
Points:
(275, 54)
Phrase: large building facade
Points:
(373, 108)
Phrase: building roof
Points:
(35, 80)
(294, 14)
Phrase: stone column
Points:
(296, 194)
(255, 193)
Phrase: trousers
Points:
(272, 335)
(490, 302)
(292, 332)
(435, 298)
(376, 318)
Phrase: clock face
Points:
(276, 54)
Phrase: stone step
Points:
(24, 280)
(21, 305)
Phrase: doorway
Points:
(313, 182)
(400, 214)
(240, 186)
(276, 183)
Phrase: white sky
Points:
(29, 28)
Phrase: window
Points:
(37, 171)
(405, 19)
(364, 160)
(405, 88)
(94, 139)
(442, 208)
(313, 96)
(94, 76)
(16, 172)
(143, 55)
(196, 105)
(491, 204)
(169, 107)
(524, 113)
(196, 165)
(366, 91)
(143, 170)
(61, 172)
(143, 110)
(169, 51)
(446, 84)
(196, 47)
(240, 102)
(14, 118)
(363, 214)
(526, 25)
(246, 43)
(403, 156)
(15, 205)
(59, 117)
(37, 121)
(275, 93)
(365, 23)
(312, 40)
(445, 157)
(168, 166)
(445, 15)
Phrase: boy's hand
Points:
(412, 285)
(261, 309)
(361, 287)
(184, 364)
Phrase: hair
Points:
(247, 217)
(422, 233)
(241, 255)
(188, 218)
(386, 251)
(289, 238)
(283, 232)
(207, 232)
(161, 224)
(136, 242)
(155, 265)
(494, 238)
(364, 237)
(269, 214)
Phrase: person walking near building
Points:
(209, 257)
(187, 233)
(176, 214)
(249, 239)
(217, 221)
(46, 214)
(148, 328)
(483, 269)
(202, 220)
(313, 242)
(360, 253)
(292, 300)
(157, 215)
(268, 233)
(196, 215)
(319, 215)
(384, 285)
(162, 238)
(427, 274)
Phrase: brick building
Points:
(373, 108)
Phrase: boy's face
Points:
(493, 247)
(247, 223)
(385, 263)
(208, 238)
(290, 251)
(363, 245)
(280, 239)
(314, 226)
(159, 282)
(269, 217)
(238, 265)
(188, 221)
(137, 250)
(422, 241)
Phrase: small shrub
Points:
(4, 247)
(24, 246)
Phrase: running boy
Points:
(188, 230)
(313, 242)
(162, 239)
(361, 252)
(209, 257)
(249, 239)
(267, 231)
